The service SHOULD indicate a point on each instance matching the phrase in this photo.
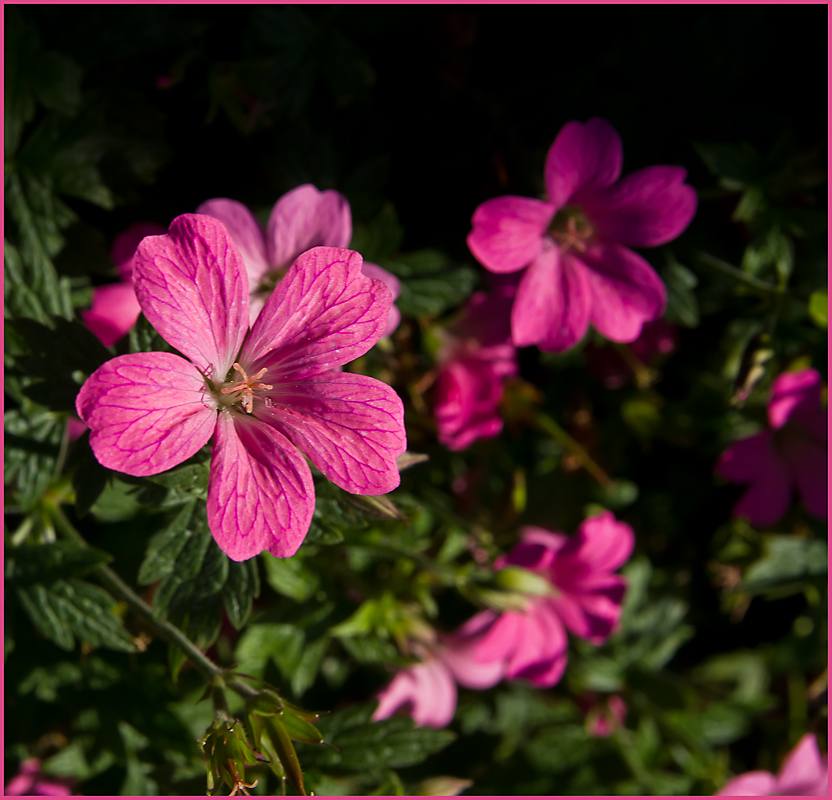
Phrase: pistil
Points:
(246, 387)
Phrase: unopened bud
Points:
(521, 580)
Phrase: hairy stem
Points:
(162, 628)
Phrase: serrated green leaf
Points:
(46, 563)
(164, 547)
(240, 589)
(682, 306)
(32, 445)
(785, 559)
(304, 673)
(89, 479)
(144, 339)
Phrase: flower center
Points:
(571, 229)
(242, 391)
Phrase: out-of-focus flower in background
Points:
(301, 219)
(475, 357)
(31, 781)
(803, 773)
(576, 243)
(791, 454)
(603, 719)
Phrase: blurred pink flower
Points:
(262, 393)
(791, 454)
(31, 781)
(301, 219)
(475, 357)
(601, 722)
(575, 243)
(609, 366)
(585, 599)
(804, 773)
(115, 308)
(427, 691)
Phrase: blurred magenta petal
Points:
(601, 722)
(300, 338)
(32, 782)
(351, 428)
(306, 218)
(647, 208)
(147, 412)
(114, 311)
(626, 291)
(792, 456)
(261, 495)
(195, 273)
(458, 652)
(582, 158)
(794, 395)
(507, 232)
(602, 544)
(300, 220)
(377, 273)
(553, 303)
(475, 357)
(246, 232)
(125, 244)
(803, 774)
(426, 690)
(579, 272)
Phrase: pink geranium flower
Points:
(791, 454)
(260, 393)
(585, 598)
(115, 308)
(601, 722)
(31, 781)
(575, 243)
(804, 773)
(427, 691)
(301, 219)
(475, 358)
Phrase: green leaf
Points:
(819, 308)
(365, 746)
(682, 306)
(32, 444)
(68, 608)
(46, 563)
(738, 162)
(773, 249)
(290, 577)
(304, 673)
(785, 559)
(144, 339)
(184, 483)
(89, 478)
(239, 591)
(561, 748)
(381, 238)
(164, 547)
(429, 284)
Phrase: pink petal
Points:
(582, 159)
(401, 690)
(193, 290)
(542, 642)
(553, 541)
(114, 311)
(246, 232)
(803, 769)
(500, 640)
(458, 652)
(468, 393)
(743, 461)
(508, 232)
(552, 307)
(794, 394)
(260, 495)
(147, 412)
(305, 218)
(601, 544)
(751, 784)
(375, 272)
(647, 208)
(626, 291)
(324, 313)
(435, 701)
(593, 612)
(809, 467)
(125, 244)
(547, 674)
(351, 427)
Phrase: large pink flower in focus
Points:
(575, 243)
(301, 219)
(261, 393)
(804, 773)
(791, 454)
(475, 358)
(115, 308)
(427, 691)
(586, 598)
(32, 782)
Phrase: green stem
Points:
(170, 633)
(762, 287)
(548, 425)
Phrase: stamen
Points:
(246, 387)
